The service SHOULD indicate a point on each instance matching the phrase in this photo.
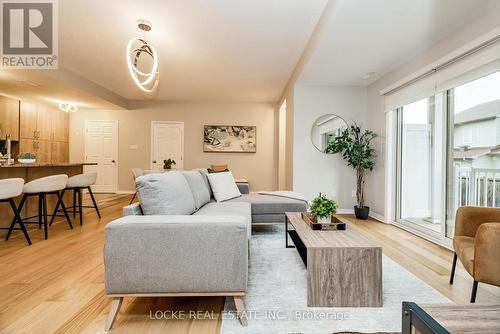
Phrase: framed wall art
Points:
(230, 138)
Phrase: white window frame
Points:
(393, 173)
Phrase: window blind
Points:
(480, 58)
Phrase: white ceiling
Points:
(234, 49)
(54, 87)
(376, 36)
(208, 49)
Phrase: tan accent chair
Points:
(477, 245)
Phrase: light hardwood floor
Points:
(56, 285)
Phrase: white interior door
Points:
(167, 142)
(101, 147)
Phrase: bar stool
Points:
(49, 185)
(136, 172)
(9, 189)
(77, 183)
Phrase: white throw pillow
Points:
(223, 186)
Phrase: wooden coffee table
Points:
(344, 269)
(450, 318)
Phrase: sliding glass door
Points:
(474, 146)
(420, 167)
(448, 155)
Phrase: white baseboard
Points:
(373, 215)
(377, 216)
(125, 192)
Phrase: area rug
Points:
(277, 292)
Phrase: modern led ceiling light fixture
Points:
(147, 81)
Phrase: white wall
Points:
(260, 168)
(313, 171)
(376, 118)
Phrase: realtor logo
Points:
(29, 34)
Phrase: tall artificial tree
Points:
(355, 147)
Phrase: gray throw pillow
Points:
(198, 188)
(204, 173)
(165, 194)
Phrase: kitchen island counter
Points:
(56, 164)
(30, 172)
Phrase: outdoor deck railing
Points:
(477, 187)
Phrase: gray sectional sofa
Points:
(150, 252)
(265, 209)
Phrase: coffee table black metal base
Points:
(287, 222)
(299, 245)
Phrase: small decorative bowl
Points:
(26, 161)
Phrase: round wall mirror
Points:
(325, 129)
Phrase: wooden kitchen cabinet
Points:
(60, 152)
(36, 121)
(60, 126)
(44, 151)
(27, 145)
(9, 118)
(44, 132)
(41, 148)
(28, 120)
(44, 123)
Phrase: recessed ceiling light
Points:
(369, 75)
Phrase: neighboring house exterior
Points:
(476, 155)
(476, 164)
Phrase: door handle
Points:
(154, 161)
(112, 161)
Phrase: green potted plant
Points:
(26, 158)
(167, 164)
(355, 146)
(323, 208)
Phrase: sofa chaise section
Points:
(228, 209)
(270, 209)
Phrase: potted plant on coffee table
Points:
(355, 146)
(323, 208)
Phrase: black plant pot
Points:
(361, 213)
